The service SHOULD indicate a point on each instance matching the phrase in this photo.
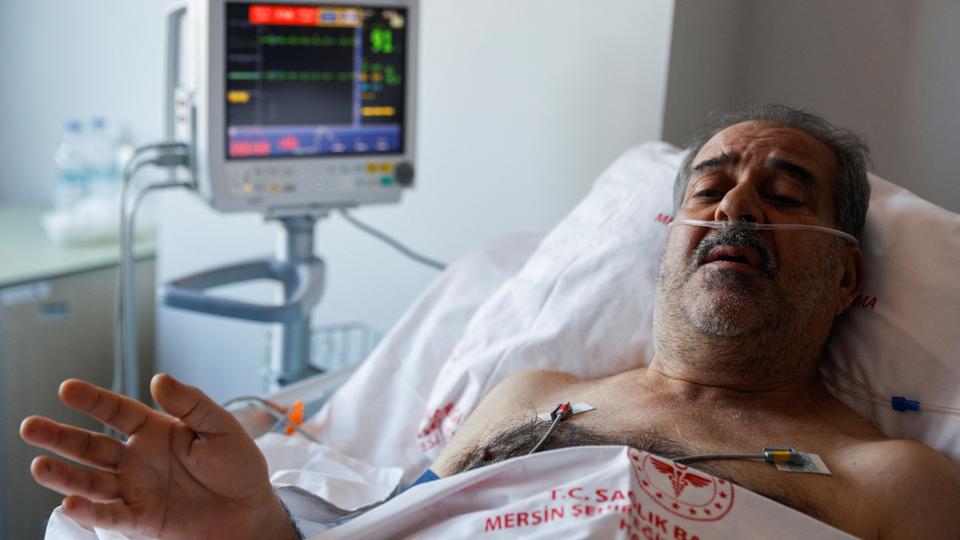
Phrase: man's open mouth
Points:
(734, 256)
(735, 250)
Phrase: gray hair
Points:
(851, 191)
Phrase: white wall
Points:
(886, 69)
(63, 59)
(521, 105)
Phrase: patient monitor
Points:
(290, 110)
(300, 106)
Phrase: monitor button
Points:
(404, 173)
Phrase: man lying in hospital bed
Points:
(741, 321)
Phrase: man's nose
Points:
(741, 203)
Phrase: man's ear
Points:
(851, 260)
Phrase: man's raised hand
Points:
(194, 473)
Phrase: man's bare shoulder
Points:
(912, 488)
(536, 380)
(522, 393)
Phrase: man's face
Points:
(738, 282)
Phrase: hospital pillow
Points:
(583, 303)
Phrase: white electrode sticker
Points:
(577, 409)
(811, 464)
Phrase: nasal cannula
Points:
(752, 226)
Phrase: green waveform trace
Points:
(301, 76)
(306, 41)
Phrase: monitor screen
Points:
(314, 80)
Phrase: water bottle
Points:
(72, 174)
(101, 156)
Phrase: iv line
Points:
(752, 226)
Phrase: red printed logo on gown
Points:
(682, 491)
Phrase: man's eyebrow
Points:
(800, 172)
(713, 163)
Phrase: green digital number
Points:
(381, 40)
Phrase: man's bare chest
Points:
(670, 435)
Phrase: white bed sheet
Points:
(611, 492)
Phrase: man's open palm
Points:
(195, 474)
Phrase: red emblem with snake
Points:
(682, 491)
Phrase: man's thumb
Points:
(191, 406)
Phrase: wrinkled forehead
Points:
(756, 143)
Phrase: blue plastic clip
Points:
(900, 403)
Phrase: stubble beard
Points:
(736, 322)
(720, 305)
(723, 302)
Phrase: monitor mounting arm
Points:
(296, 268)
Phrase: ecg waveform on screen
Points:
(301, 76)
(371, 79)
(279, 40)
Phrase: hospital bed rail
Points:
(338, 349)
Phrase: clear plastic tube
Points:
(862, 391)
(751, 226)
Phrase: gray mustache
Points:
(736, 238)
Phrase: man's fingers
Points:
(79, 445)
(72, 480)
(191, 406)
(116, 516)
(123, 414)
